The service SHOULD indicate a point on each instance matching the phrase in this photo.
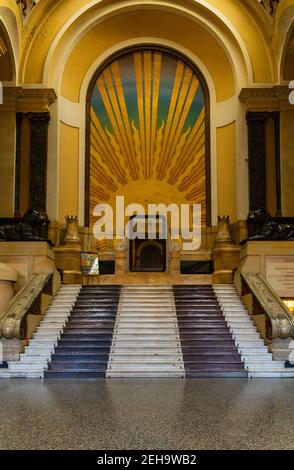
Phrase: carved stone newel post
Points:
(72, 236)
(225, 254)
(68, 255)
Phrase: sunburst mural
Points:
(147, 122)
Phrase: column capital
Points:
(27, 100)
(267, 99)
(39, 117)
(256, 116)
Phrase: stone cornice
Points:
(27, 100)
(266, 99)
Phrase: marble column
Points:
(276, 118)
(19, 118)
(38, 160)
(257, 159)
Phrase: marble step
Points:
(30, 356)
(245, 336)
(243, 329)
(266, 365)
(253, 349)
(27, 374)
(252, 358)
(257, 357)
(28, 366)
(142, 367)
(243, 344)
(266, 374)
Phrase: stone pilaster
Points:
(38, 160)
(257, 159)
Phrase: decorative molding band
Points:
(266, 99)
(26, 6)
(280, 322)
(270, 6)
(27, 100)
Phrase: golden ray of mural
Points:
(116, 136)
(178, 130)
(107, 155)
(147, 107)
(191, 169)
(155, 97)
(138, 149)
(189, 147)
(157, 151)
(118, 83)
(177, 153)
(179, 106)
(104, 177)
(117, 151)
(177, 84)
(193, 172)
(111, 102)
(129, 142)
(139, 85)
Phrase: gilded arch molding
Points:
(72, 30)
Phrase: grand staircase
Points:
(207, 344)
(146, 340)
(41, 347)
(84, 346)
(146, 331)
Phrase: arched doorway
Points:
(148, 130)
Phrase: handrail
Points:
(26, 301)
(280, 321)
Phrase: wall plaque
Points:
(280, 274)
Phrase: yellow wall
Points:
(7, 148)
(240, 15)
(69, 171)
(287, 162)
(226, 171)
(143, 24)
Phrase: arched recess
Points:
(7, 64)
(282, 34)
(9, 35)
(287, 64)
(148, 112)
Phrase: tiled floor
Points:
(147, 414)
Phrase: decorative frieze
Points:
(27, 100)
(270, 6)
(26, 6)
(266, 99)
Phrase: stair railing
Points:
(279, 320)
(26, 301)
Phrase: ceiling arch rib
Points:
(10, 25)
(208, 16)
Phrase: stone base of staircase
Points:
(146, 331)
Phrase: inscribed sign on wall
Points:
(148, 123)
(280, 274)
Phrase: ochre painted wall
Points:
(68, 171)
(226, 171)
(143, 24)
(33, 61)
(7, 149)
(287, 162)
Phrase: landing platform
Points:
(148, 278)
